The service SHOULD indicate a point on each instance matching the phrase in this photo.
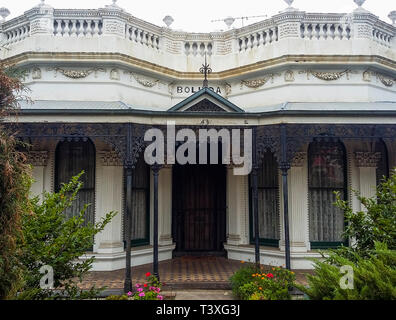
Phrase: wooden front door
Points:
(199, 207)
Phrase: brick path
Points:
(183, 272)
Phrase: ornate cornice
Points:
(44, 57)
(367, 159)
(110, 158)
(37, 158)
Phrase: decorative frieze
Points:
(37, 158)
(299, 159)
(110, 158)
(367, 159)
(289, 76)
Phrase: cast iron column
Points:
(128, 220)
(255, 199)
(156, 169)
(285, 166)
(128, 165)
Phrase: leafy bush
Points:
(374, 276)
(51, 239)
(252, 283)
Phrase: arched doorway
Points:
(199, 209)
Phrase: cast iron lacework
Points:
(205, 106)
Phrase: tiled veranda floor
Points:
(178, 273)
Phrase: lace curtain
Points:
(268, 198)
(326, 174)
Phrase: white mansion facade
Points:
(319, 89)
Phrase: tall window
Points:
(327, 173)
(72, 158)
(268, 202)
(140, 203)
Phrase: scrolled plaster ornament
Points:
(228, 89)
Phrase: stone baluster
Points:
(306, 31)
(96, 28)
(267, 36)
(81, 31)
(58, 29)
(73, 31)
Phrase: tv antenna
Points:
(230, 20)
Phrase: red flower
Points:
(145, 285)
(270, 275)
(148, 274)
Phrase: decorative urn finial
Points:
(392, 16)
(168, 20)
(4, 13)
(359, 2)
(289, 2)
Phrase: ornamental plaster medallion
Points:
(36, 73)
(367, 76)
(37, 158)
(367, 159)
(114, 74)
(228, 89)
(289, 76)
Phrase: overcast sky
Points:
(196, 15)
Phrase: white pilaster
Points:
(298, 204)
(367, 166)
(165, 206)
(39, 161)
(109, 177)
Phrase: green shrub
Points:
(241, 277)
(151, 290)
(115, 297)
(52, 239)
(374, 276)
(372, 256)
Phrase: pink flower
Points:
(137, 285)
(141, 294)
(129, 293)
(140, 289)
(158, 290)
(160, 297)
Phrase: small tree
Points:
(51, 239)
(15, 182)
